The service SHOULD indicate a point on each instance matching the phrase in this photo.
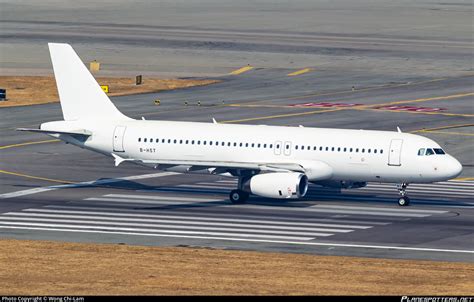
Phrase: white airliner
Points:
(269, 161)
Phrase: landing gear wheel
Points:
(238, 196)
(404, 201)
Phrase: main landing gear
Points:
(239, 196)
(403, 200)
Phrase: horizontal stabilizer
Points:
(80, 132)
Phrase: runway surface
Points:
(338, 65)
(161, 208)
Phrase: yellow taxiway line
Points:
(36, 177)
(281, 115)
(298, 72)
(463, 179)
(29, 143)
(446, 132)
(241, 70)
(445, 127)
(436, 98)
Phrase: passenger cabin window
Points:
(139, 139)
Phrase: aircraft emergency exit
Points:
(269, 161)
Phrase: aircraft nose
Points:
(454, 168)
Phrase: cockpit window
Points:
(421, 151)
(429, 151)
(439, 151)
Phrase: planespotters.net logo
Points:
(437, 299)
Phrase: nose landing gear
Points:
(403, 200)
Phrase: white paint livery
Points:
(270, 161)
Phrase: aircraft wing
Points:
(315, 170)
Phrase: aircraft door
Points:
(277, 148)
(119, 133)
(394, 156)
(287, 149)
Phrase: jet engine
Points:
(278, 185)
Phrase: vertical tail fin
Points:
(80, 95)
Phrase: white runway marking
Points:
(181, 218)
(155, 231)
(162, 222)
(378, 209)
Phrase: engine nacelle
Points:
(343, 184)
(278, 185)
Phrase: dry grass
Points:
(54, 268)
(29, 90)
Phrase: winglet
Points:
(214, 121)
(399, 130)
